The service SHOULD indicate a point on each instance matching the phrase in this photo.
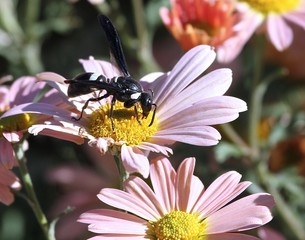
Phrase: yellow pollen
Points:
(177, 225)
(16, 123)
(126, 126)
(273, 6)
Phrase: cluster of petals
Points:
(220, 24)
(186, 108)
(276, 24)
(14, 100)
(142, 205)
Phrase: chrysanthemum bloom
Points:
(185, 111)
(14, 117)
(276, 15)
(216, 23)
(179, 207)
(14, 122)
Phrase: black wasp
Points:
(122, 88)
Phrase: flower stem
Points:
(122, 172)
(144, 48)
(292, 220)
(255, 99)
(259, 87)
(28, 184)
(235, 138)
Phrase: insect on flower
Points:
(122, 88)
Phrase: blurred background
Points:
(52, 35)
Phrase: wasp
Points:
(122, 88)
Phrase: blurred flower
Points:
(288, 152)
(14, 122)
(186, 108)
(276, 14)
(8, 182)
(218, 23)
(80, 195)
(16, 115)
(179, 205)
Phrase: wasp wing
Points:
(114, 43)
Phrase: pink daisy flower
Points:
(14, 122)
(15, 113)
(217, 23)
(276, 15)
(179, 207)
(186, 109)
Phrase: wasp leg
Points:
(87, 103)
(153, 116)
(111, 111)
(137, 114)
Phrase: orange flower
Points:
(216, 23)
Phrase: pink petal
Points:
(38, 108)
(8, 181)
(54, 80)
(7, 155)
(6, 196)
(184, 179)
(243, 30)
(296, 17)
(211, 111)
(152, 147)
(199, 136)
(51, 76)
(215, 83)
(220, 192)
(13, 137)
(162, 176)
(279, 32)
(231, 236)
(189, 67)
(266, 233)
(107, 221)
(165, 16)
(126, 201)
(60, 132)
(100, 67)
(140, 190)
(113, 237)
(134, 160)
(244, 214)
(24, 90)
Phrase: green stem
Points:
(292, 220)
(122, 172)
(28, 184)
(255, 101)
(235, 138)
(259, 89)
(144, 48)
(256, 109)
(31, 48)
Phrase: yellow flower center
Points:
(16, 123)
(273, 6)
(177, 225)
(126, 126)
